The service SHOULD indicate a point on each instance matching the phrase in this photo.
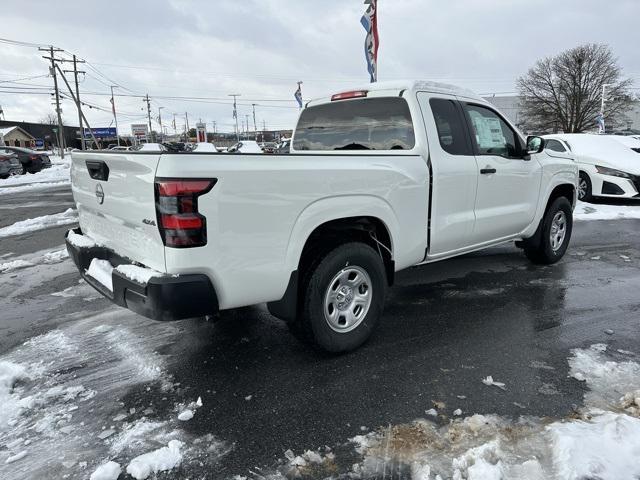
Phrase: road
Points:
(445, 328)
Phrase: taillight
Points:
(179, 222)
(347, 95)
(33, 157)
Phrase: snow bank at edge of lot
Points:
(57, 173)
(40, 223)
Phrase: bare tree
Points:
(564, 92)
(50, 119)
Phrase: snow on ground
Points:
(63, 413)
(40, 223)
(57, 173)
(601, 440)
(593, 211)
(38, 258)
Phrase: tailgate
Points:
(115, 196)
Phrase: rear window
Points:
(382, 123)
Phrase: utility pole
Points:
(186, 127)
(255, 128)
(246, 130)
(235, 113)
(52, 70)
(160, 122)
(175, 131)
(146, 99)
(77, 102)
(115, 117)
(75, 76)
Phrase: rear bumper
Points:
(160, 298)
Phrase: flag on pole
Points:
(298, 95)
(370, 23)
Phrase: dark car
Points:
(9, 164)
(32, 161)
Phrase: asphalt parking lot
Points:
(445, 328)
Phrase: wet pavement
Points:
(446, 327)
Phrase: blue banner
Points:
(101, 132)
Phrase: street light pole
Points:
(115, 117)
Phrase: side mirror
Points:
(535, 144)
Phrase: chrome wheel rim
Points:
(347, 299)
(582, 188)
(558, 230)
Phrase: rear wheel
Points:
(550, 243)
(342, 298)
(584, 188)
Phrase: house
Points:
(16, 137)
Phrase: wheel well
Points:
(369, 230)
(565, 190)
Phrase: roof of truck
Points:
(413, 85)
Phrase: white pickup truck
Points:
(378, 179)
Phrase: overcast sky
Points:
(185, 48)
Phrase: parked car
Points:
(401, 174)
(245, 146)
(268, 147)
(32, 161)
(202, 147)
(607, 168)
(9, 164)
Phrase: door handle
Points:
(485, 171)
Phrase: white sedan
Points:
(245, 146)
(628, 141)
(607, 167)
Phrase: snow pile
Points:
(40, 223)
(80, 241)
(55, 256)
(14, 265)
(606, 447)
(187, 413)
(592, 211)
(160, 460)
(106, 471)
(101, 270)
(138, 274)
(57, 173)
(10, 375)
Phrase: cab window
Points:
(492, 135)
(450, 126)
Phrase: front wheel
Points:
(343, 298)
(585, 193)
(552, 240)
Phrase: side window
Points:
(492, 134)
(450, 125)
(554, 145)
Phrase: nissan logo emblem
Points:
(99, 194)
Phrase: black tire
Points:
(311, 326)
(4, 177)
(539, 248)
(585, 182)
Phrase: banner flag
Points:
(370, 23)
